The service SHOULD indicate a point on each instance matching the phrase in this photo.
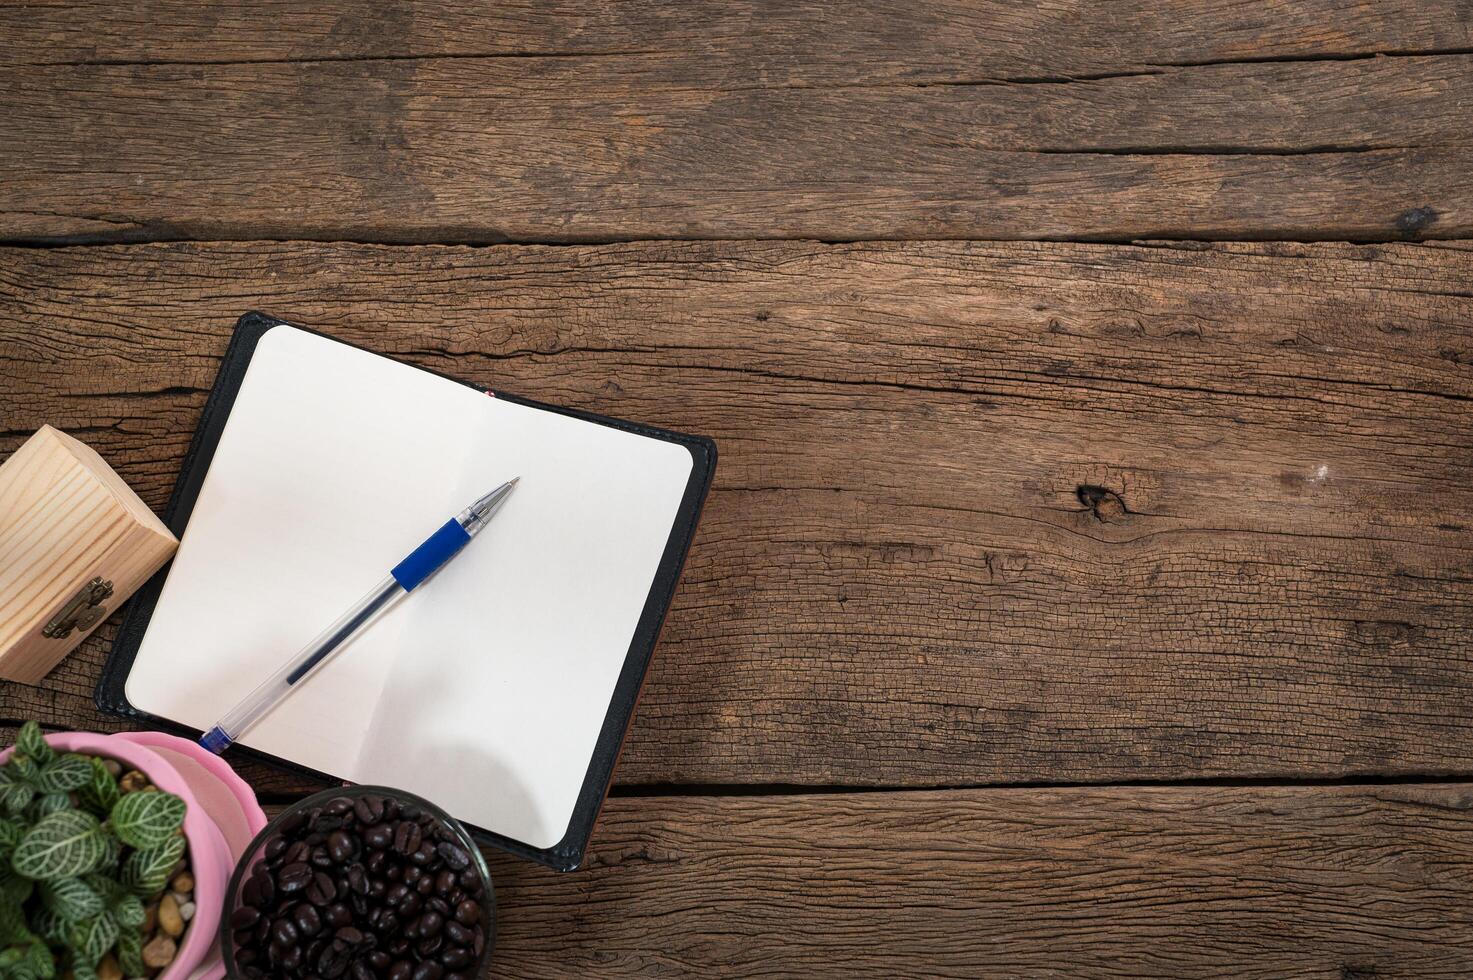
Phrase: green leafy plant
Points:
(79, 860)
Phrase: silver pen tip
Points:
(474, 517)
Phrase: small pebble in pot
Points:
(159, 952)
(170, 921)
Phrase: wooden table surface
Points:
(1087, 586)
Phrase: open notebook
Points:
(495, 690)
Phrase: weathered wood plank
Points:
(776, 42)
(985, 513)
(667, 120)
(1320, 883)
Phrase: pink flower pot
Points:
(220, 818)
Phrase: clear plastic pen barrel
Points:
(245, 714)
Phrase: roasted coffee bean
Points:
(430, 923)
(428, 970)
(297, 852)
(411, 905)
(244, 917)
(458, 934)
(308, 919)
(290, 959)
(426, 948)
(425, 885)
(250, 893)
(379, 960)
(362, 971)
(456, 957)
(334, 960)
(349, 935)
(322, 890)
(377, 887)
(358, 879)
(412, 875)
(467, 913)
(401, 970)
(396, 894)
(410, 812)
(338, 807)
(293, 877)
(284, 933)
(470, 881)
(337, 915)
(398, 946)
(379, 836)
(340, 847)
(389, 923)
(407, 837)
(274, 848)
(454, 856)
(320, 857)
(369, 809)
(425, 856)
(293, 823)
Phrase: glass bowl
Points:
(301, 814)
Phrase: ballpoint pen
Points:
(436, 550)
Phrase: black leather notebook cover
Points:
(567, 854)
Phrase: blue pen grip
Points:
(436, 551)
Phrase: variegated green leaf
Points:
(128, 911)
(105, 886)
(14, 888)
(64, 845)
(47, 804)
(31, 743)
(71, 899)
(41, 961)
(145, 820)
(16, 797)
(10, 835)
(10, 958)
(146, 872)
(82, 971)
(92, 939)
(130, 952)
(64, 774)
(13, 927)
(100, 793)
(112, 850)
(48, 925)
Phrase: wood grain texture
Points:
(1354, 883)
(987, 40)
(420, 122)
(66, 520)
(985, 513)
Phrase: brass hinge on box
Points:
(82, 613)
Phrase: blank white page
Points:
(506, 674)
(485, 689)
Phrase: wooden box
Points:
(75, 542)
